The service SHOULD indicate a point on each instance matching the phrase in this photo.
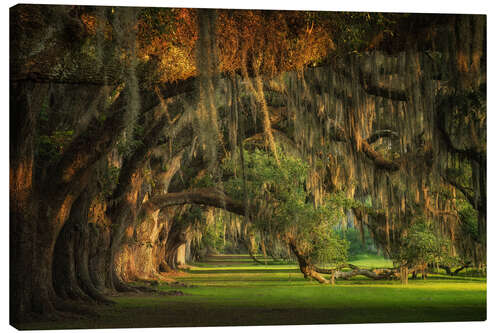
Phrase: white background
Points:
(421, 6)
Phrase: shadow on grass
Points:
(243, 271)
(435, 277)
(241, 262)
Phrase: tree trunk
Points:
(44, 295)
(161, 246)
(65, 276)
(100, 244)
(404, 274)
(82, 250)
(306, 267)
(424, 271)
(264, 252)
(332, 278)
(130, 195)
(22, 203)
(176, 238)
(181, 255)
(39, 211)
(34, 228)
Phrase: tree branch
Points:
(338, 134)
(456, 271)
(379, 160)
(375, 274)
(371, 88)
(204, 196)
(465, 191)
(85, 150)
(469, 154)
(387, 133)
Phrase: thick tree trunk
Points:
(39, 212)
(177, 237)
(34, 227)
(98, 263)
(161, 248)
(138, 257)
(72, 270)
(22, 203)
(82, 251)
(130, 195)
(181, 255)
(65, 275)
(44, 295)
(123, 216)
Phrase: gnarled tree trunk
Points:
(306, 267)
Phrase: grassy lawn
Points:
(371, 261)
(278, 294)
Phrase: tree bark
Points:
(176, 238)
(65, 275)
(404, 274)
(22, 203)
(375, 274)
(206, 196)
(100, 244)
(36, 227)
(306, 267)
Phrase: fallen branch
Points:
(375, 274)
(449, 271)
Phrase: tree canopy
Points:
(125, 121)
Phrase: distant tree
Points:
(358, 243)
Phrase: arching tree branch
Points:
(205, 196)
(338, 134)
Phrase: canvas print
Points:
(212, 167)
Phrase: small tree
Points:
(420, 247)
(328, 248)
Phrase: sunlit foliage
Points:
(285, 209)
(421, 245)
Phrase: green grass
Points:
(371, 261)
(258, 295)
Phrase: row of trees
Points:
(284, 216)
(122, 120)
